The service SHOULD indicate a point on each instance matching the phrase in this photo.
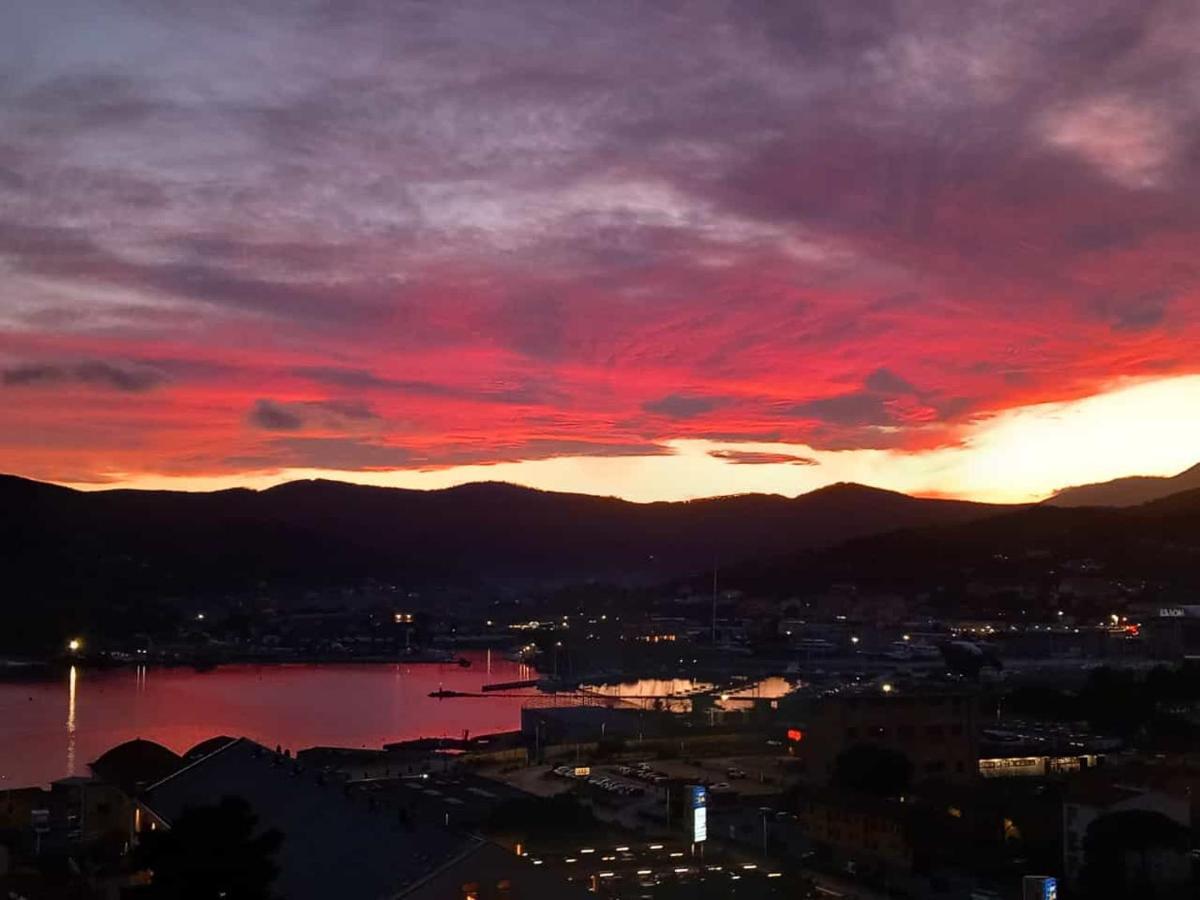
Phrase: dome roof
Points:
(136, 762)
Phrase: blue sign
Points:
(699, 797)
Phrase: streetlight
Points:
(74, 645)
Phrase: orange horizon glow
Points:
(1017, 456)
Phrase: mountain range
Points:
(316, 533)
(1152, 547)
(127, 556)
(1131, 491)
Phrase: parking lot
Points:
(747, 775)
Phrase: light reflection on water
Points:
(674, 693)
(72, 683)
(52, 728)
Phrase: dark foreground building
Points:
(343, 842)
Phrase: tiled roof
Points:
(334, 845)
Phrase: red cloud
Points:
(528, 253)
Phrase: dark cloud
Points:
(683, 406)
(337, 414)
(94, 373)
(522, 391)
(857, 408)
(272, 416)
(73, 254)
(343, 377)
(885, 399)
(753, 458)
(886, 382)
(351, 410)
(1137, 313)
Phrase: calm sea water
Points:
(49, 729)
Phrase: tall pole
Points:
(714, 605)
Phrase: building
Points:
(1036, 766)
(936, 728)
(865, 835)
(342, 842)
(1173, 632)
(135, 764)
(79, 810)
(74, 811)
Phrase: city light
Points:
(75, 645)
(887, 688)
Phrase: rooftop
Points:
(335, 845)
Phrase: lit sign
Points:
(699, 798)
(1171, 612)
(1040, 887)
(795, 734)
(583, 771)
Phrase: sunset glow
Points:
(612, 248)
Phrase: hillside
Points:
(87, 546)
(1132, 491)
(1156, 543)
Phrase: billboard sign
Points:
(699, 812)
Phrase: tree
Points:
(211, 852)
(1117, 853)
(869, 769)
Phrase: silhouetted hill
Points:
(1132, 491)
(1154, 543)
(108, 546)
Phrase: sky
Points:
(657, 250)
